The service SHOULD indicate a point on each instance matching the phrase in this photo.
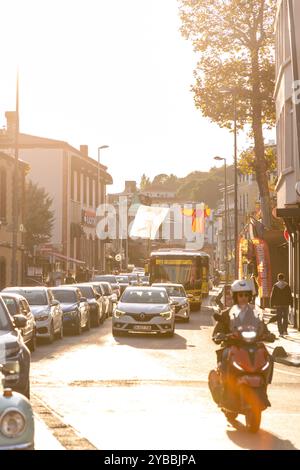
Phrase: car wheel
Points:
(170, 334)
(60, 334)
(78, 329)
(88, 323)
(51, 336)
(117, 333)
(26, 391)
(32, 342)
(186, 319)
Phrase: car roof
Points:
(13, 295)
(66, 287)
(145, 288)
(11, 289)
(166, 284)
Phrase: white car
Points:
(178, 295)
(46, 310)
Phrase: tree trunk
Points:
(259, 146)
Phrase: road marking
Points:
(64, 433)
(286, 372)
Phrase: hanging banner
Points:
(263, 267)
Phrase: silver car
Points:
(179, 297)
(46, 310)
(144, 310)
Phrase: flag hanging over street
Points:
(147, 221)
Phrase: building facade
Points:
(288, 151)
(7, 166)
(77, 185)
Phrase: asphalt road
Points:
(143, 392)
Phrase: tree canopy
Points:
(39, 217)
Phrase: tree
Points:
(39, 217)
(235, 42)
(246, 163)
(145, 182)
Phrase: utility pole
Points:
(15, 195)
(236, 222)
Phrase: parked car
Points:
(18, 305)
(179, 297)
(112, 279)
(110, 296)
(103, 299)
(144, 310)
(16, 415)
(46, 310)
(13, 349)
(94, 301)
(76, 313)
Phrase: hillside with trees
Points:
(202, 186)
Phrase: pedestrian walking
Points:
(281, 299)
(69, 278)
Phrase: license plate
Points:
(142, 327)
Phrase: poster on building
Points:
(263, 267)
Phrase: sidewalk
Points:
(285, 350)
(44, 439)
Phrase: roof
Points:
(12, 158)
(178, 252)
(13, 295)
(27, 141)
(65, 287)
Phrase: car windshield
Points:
(65, 296)
(87, 292)
(5, 323)
(35, 297)
(175, 291)
(111, 279)
(133, 277)
(145, 297)
(11, 305)
(145, 278)
(123, 279)
(106, 289)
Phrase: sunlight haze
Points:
(108, 72)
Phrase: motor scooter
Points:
(239, 383)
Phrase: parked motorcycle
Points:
(239, 383)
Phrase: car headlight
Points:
(166, 315)
(237, 366)
(12, 423)
(118, 313)
(42, 317)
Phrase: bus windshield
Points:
(185, 271)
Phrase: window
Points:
(90, 192)
(84, 188)
(3, 193)
(78, 186)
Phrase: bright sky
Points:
(111, 72)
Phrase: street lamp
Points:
(99, 196)
(225, 218)
(233, 93)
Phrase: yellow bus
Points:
(186, 267)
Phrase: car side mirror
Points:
(20, 321)
(98, 296)
(54, 303)
(83, 299)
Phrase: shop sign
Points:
(88, 218)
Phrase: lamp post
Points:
(225, 218)
(99, 197)
(233, 92)
(15, 195)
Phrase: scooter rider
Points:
(241, 314)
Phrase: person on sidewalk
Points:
(281, 299)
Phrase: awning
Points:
(291, 217)
(62, 257)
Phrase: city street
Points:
(151, 393)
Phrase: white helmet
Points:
(242, 285)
